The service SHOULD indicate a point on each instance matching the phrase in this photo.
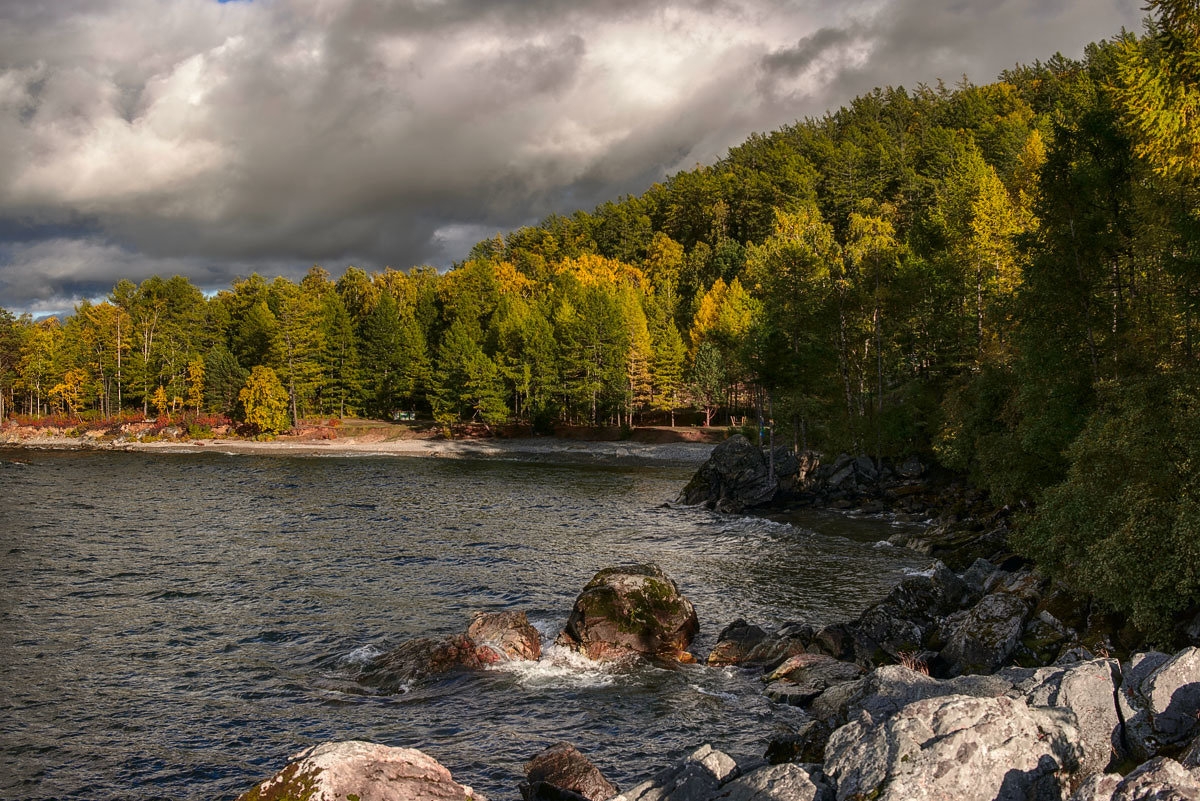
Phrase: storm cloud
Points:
(216, 139)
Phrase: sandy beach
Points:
(529, 449)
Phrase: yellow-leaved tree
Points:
(265, 402)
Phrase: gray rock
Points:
(1097, 788)
(866, 468)
(805, 676)
(735, 477)
(697, 778)
(1190, 758)
(957, 747)
(1160, 700)
(977, 574)
(905, 619)
(805, 744)
(1089, 690)
(891, 688)
(985, 638)
(365, 770)
(911, 468)
(788, 782)
(1160, 779)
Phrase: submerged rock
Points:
(355, 769)
(631, 610)
(957, 747)
(492, 637)
(563, 767)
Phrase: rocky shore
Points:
(923, 696)
(977, 679)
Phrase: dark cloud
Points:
(214, 139)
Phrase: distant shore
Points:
(527, 449)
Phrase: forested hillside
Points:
(1004, 277)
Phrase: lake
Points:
(178, 625)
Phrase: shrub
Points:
(1125, 524)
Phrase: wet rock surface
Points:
(632, 610)
(561, 771)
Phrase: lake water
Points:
(177, 626)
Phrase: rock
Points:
(957, 747)
(908, 616)
(1190, 758)
(789, 782)
(1089, 690)
(789, 641)
(1097, 788)
(562, 766)
(697, 778)
(363, 770)
(891, 688)
(1160, 779)
(866, 469)
(631, 610)
(911, 468)
(735, 477)
(1161, 700)
(805, 676)
(805, 744)
(507, 636)
(735, 643)
(416, 659)
(984, 638)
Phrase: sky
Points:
(216, 139)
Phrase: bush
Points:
(1125, 524)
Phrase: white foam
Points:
(362, 655)
(908, 571)
(560, 667)
(714, 693)
(883, 544)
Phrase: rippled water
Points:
(176, 626)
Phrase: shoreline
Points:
(551, 450)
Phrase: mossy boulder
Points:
(361, 770)
(631, 610)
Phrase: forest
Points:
(1004, 278)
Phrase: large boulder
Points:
(984, 638)
(697, 778)
(562, 766)
(735, 477)
(887, 690)
(959, 747)
(1089, 690)
(903, 622)
(631, 610)
(1160, 700)
(363, 770)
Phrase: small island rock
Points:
(631, 610)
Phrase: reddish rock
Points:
(631, 610)
(564, 767)
(505, 637)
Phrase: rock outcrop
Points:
(561, 767)
(968, 749)
(1160, 700)
(737, 476)
(632, 610)
(355, 769)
